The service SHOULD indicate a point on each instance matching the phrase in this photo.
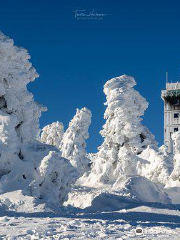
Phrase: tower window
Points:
(175, 129)
(176, 115)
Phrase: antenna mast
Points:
(166, 77)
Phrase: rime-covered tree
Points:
(73, 145)
(174, 179)
(157, 166)
(124, 135)
(54, 179)
(22, 156)
(19, 114)
(52, 134)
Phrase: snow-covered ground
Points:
(104, 215)
(155, 222)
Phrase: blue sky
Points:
(76, 57)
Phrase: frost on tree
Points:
(73, 145)
(19, 114)
(52, 134)
(174, 179)
(56, 175)
(157, 165)
(23, 159)
(124, 135)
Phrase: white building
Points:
(171, 98)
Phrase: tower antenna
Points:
(166, 77)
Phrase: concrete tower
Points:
(171, 98)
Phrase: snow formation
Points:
(73, 145)
(52, 134)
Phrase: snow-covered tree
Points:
(157, 166)
(73, 145)
(19, 114)
(174, 179)
(20, 151)
(52, 134)
(124, 135)
(55, 179)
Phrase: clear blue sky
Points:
(76, 57)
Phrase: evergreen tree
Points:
(73, 145)
(124, 135)
(52, 134)
(174, 179)
(25, 163)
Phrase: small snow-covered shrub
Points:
(73, 145)
(56, 177)
(52, 134)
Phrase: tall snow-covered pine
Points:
(124, 135)
(73, 145)
(26, 164)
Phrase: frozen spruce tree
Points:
(124, 135)
(174, 179)
(52, 134)
(54, 179)
(157, 166)
(19, 114)
(26, 164)
(73, 145)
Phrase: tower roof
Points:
(172, 86)
(172, 90)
